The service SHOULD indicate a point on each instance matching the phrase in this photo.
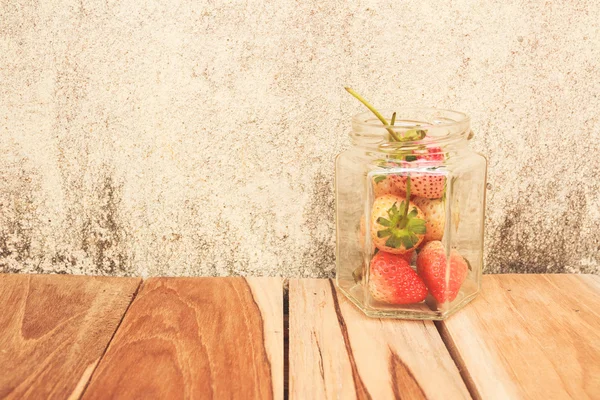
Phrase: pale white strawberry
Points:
(387, 184)
(429, 185)
(397, 225)
(435, 217)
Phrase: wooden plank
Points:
(337, 352)
(54, 329)
(530, 336)
(197, 338)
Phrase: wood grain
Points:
(337, 352)
(530, 336)
(54, 329)
(197, 338)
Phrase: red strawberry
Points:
(431, 266)
(393, 281)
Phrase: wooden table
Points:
(526, 336)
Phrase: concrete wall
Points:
(193, 137)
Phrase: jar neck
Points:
(415, 130)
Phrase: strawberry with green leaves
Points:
(408, 256)
(393, 281)
(397, 224)
(432, 267)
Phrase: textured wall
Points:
(190, 137)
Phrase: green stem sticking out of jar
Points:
(409, 135)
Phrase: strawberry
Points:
(393, 281)
(435, 217)
(431, 267)
(429, 185)
(397, 225)
(408, 256)
(387, 184)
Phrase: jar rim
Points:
(365, 118)
(441, 126)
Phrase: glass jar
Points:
(420, 259)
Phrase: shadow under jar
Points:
(416, 258)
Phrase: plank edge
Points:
(446, 337)
(276, 357)
(138, 288)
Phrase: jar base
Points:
(420, 311)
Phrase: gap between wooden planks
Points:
(530, 336)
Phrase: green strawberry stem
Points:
(393, 121)
(407, 197)
(404, 220)
(409, 135)
(402, 226)
(399, 228)
(374, 111)
(414, 134)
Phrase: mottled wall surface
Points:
(193, 137)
